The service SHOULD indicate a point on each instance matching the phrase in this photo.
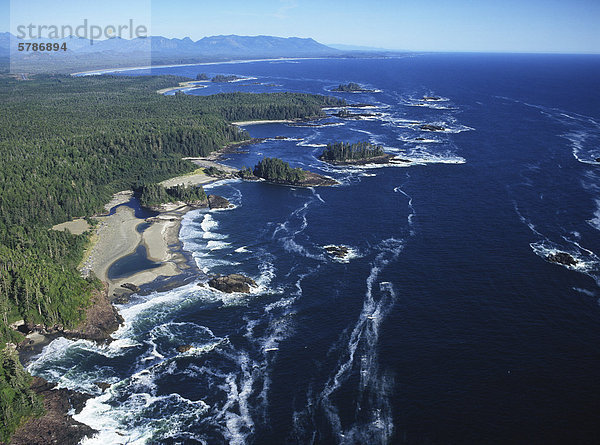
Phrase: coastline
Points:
(101, 71)
(183, 86)
(119, 233)
(116, 234)
(258, 122)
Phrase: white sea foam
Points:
(373, 419)
(583, 131)
(595, 221)
(208, 223)
(586, 292)
(217, 245)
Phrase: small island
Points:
(223, 79)
(345, 114)
(351, 88)
(202, 76)
(279, 172)
(562, 258)
(343, 153)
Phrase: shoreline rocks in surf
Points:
(218, 202)
(55, 425)
(232, 283)
(383, 160)
(101, 320)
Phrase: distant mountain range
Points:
(82, 52)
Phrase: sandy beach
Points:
(117, 235)
(273, 121)
(184, 86)
(197, 177)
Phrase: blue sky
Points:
(434, 25)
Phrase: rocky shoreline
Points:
(56, 426)
(380, 160)
(102, 319)
(115, 236)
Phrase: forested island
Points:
(343, 153)
(279, 172)
(345, 114)
(351, 88)
(222, 78)
(67, 145)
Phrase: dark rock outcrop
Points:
(218, 202)
(184, 348)
(55, 426)
(232, 283)
(103, 385)
(132, 287)
(429, 127)
(345, 114)
(337, 251)
(121, 296)
(562, 258)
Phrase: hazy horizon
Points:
(532, 26)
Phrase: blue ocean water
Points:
(445, 325)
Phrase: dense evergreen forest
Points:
(276, 170)
(344, 151)
(66, 145)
